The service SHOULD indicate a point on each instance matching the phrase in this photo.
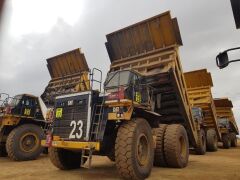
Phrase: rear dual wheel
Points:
(159, 157)
(176, 146)
(171, 146)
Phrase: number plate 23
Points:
(76, 125)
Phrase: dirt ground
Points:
(224, 164)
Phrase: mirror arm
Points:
(236, 60)
(232, 49)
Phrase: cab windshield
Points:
(15, 100)
(116, 79)
(223, 121)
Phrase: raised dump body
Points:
(199, 84)
(151, 47)
(69, 73)
(224, 110)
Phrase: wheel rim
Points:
(142, 150)
(183, 147)
(29, 142)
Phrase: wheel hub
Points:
(29, 142)
(142, 150)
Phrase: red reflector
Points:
(49, 140)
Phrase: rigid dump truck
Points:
(142, 118)
(226, 122)
(21, 127)
(69, 73)
(199, 84)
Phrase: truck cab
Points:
(22, 105)
(125, 90)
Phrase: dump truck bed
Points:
(224, 110)
(69, 73)
(151, 48)
(199, 84)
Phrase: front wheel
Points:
(134, 149)
(212, 140)
(3, 152)
(201, 145)
(65, 159)
(24, 142)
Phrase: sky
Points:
(34, 30)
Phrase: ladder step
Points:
(85, 156)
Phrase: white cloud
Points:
(39, 16)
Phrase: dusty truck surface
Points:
(21, 127)
(142, 118)
(199, 84)
(226, 122)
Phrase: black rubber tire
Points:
(3, 152)
(176, 146)
(201, 145)
(159, 157)
(126, 149)
(111, 155)
(13, 144)
(212, 140)
(45, 150)
(65, 159)
(226, 141)
(233, 139)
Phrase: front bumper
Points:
(72, 145)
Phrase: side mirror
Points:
(222, 60)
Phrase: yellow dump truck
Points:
(226, 122)
(142, 118)
(199, 84)
(69, 73)
(22, 127)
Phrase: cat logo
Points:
(27, 112)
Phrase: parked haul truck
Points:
(142, 118)
(199, 84)
(22, 126)
(226, 122)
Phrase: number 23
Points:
(79, 134)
